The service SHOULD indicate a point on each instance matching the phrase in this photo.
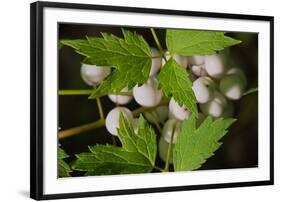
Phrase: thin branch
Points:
(250, 91)
(81, 129)
(75, 92)
(154, 119)
(158, 44)
(100, 123)
(88, 92)
(100, 108)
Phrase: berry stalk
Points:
(169, 153)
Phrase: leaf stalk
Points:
(158, 44)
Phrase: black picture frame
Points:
(37, 99)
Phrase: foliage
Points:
(130, 58)
(137, 154)
(174, 81)
(64, 169)
(195, 145)
(191, 42)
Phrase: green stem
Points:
(158, 44)
(80, 129)
(100, 123)
(75, 92)
(154, 118)
(87, 92)
(169, 153)
(250, 91)
(100, 108)
(159, 115)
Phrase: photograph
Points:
(128, 100)
(137, 100)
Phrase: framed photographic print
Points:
(134, 100)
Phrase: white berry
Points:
(214, 66)
(179, 112)
(121, 99)
(203, 88)
(214, 107)
(148, 95)
(199, 70)
(160, 114)
(163, 149)
(181, 60)
(197, 60)
(197, 65)
(232, 86)
(93, 75)
(156, 62)
(172, 125)
(112, 119)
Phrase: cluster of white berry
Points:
(214, 86)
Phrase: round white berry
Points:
(239, 73)
(181, 60)
(121, 99)
(160, 114)
(197, 60)
(172, 125)
(163, 149)
(203, 88)
(199, 70)
(179, 112)
(214, 66)
(232, 86)
(156, 62)
(214, 107)
(93, 75)
(112, 119)
(148, 95)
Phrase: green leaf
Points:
(195, 145)
(144, 142)
(62, 154)
(192, 42)
(250, 91)
(81, 46)
(130, 57)
(137, 154)
(64, 168)
(174, 81)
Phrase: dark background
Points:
(240, 145)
